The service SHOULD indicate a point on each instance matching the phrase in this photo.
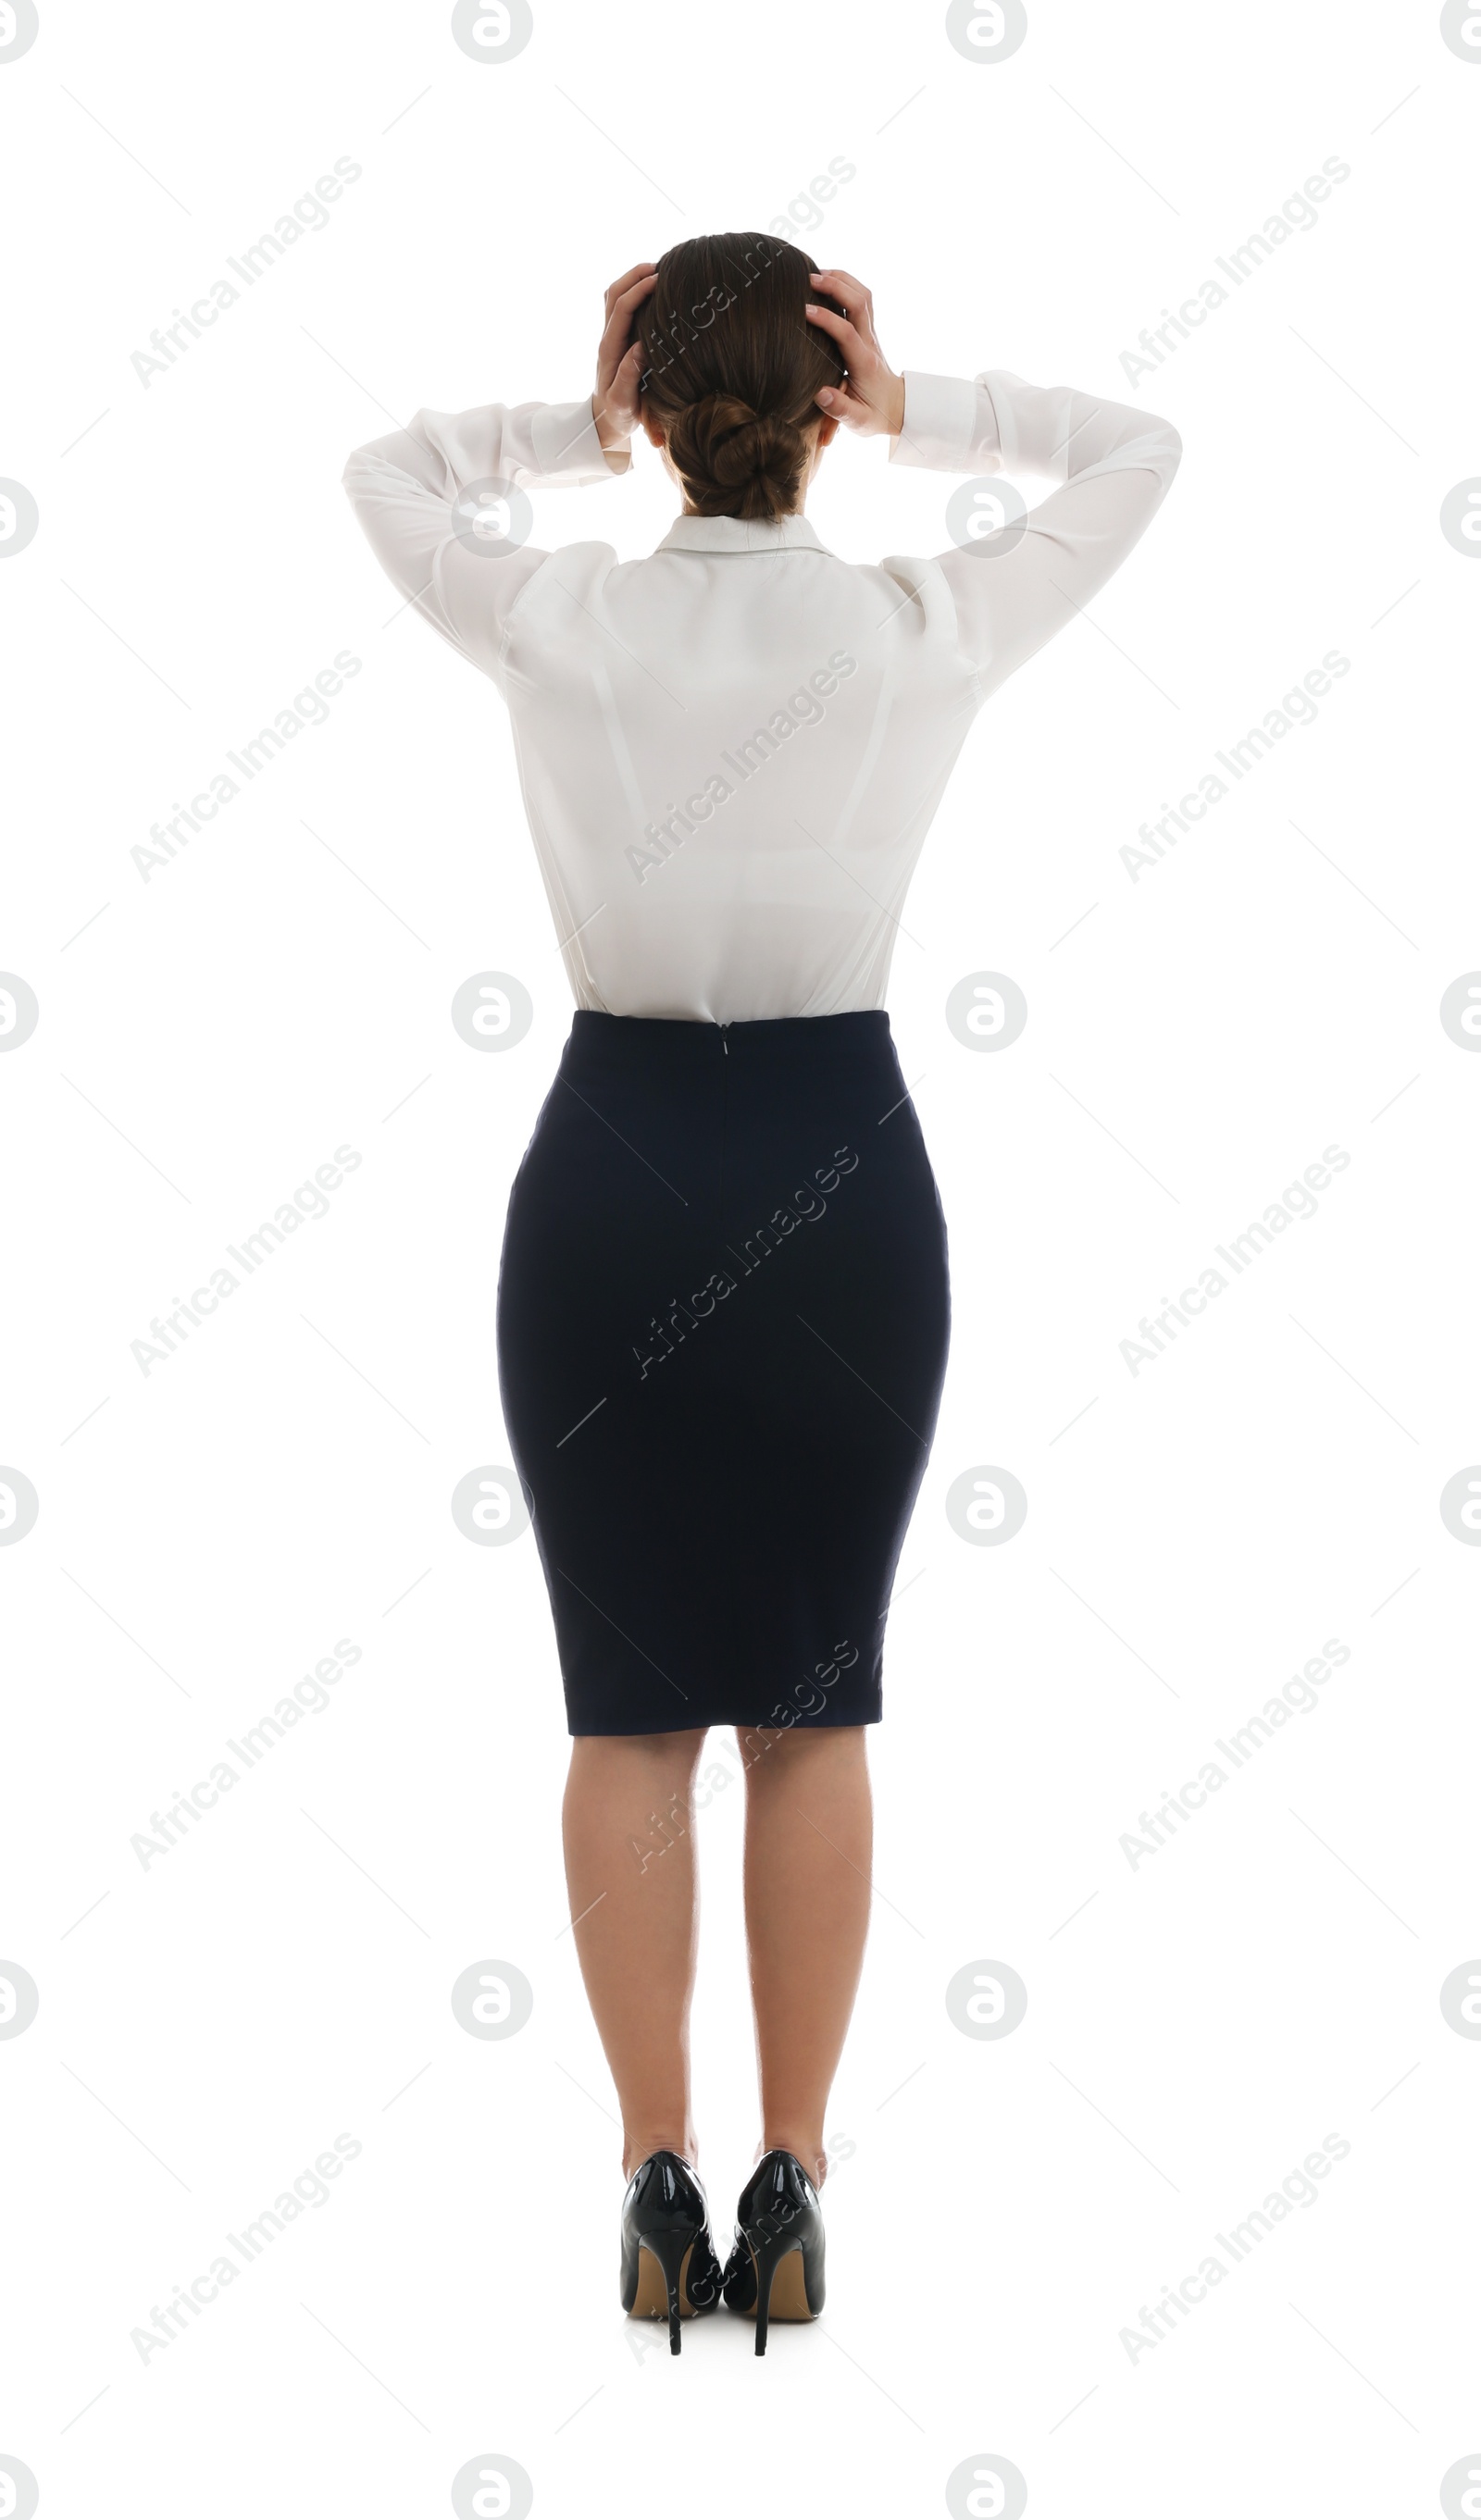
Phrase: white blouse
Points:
(731, 752)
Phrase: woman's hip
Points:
(728, 1218)
(662, 1145)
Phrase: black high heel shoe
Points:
(774, 2270)
(669, 2261)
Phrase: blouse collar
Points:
(740, 534)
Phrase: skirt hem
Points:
(705, 1723)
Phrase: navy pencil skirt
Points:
(723, 1317)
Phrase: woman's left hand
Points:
(620, 359)
(870, 399)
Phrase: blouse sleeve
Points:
(1114, 466)
(427, 499)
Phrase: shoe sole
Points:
(788, 2289)
(650, 2301)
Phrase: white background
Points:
(1196, 2026)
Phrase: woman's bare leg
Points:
(809, 1834)
(629, 1869)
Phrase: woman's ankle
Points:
(639, 2147)
(806, 2148)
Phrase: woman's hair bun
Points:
(737, 462)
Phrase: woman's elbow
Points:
(360, 473)
(397, 457)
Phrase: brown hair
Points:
(732, 368)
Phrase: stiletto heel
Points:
(671, 2250)
(776, 2267)
(669, 2266)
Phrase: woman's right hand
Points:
(870, 401)
(620, 359)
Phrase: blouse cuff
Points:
(943, 429)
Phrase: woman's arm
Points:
(450, 562)
(1114, 466)
(446, 551)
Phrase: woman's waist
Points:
(788, 1041)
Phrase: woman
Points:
(723, 1299)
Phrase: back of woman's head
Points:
(732, 369)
